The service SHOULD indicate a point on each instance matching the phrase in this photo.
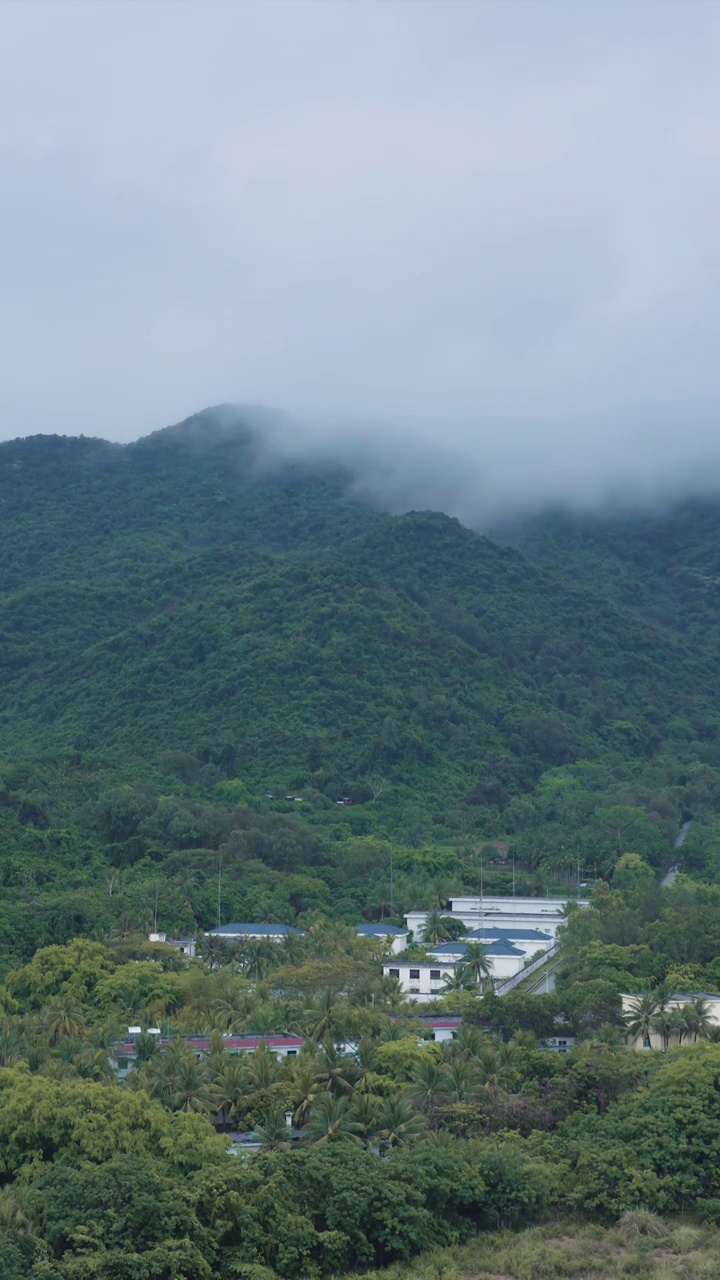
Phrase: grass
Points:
(640, 1245)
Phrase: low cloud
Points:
(472, 247)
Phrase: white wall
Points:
(422, 987)
(712, 1003)
(397, 942)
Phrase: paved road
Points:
(670, 875)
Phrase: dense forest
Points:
(203, 649)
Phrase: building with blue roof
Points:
(247, 930)
(388, 934)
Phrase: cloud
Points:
(477, 241)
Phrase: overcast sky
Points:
(494, 227)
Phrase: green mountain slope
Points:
(181, 594)
(663, 567)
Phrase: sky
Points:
(480, 241)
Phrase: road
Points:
(670, 875)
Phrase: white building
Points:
(504, 913)
(421, 979)
(387, 934)
(529, 941)
(680, 1001)
(425, 979)
(506, 959)
(185, 945)
(275, 932)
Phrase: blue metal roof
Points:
(499, 948)
(266, 930)
(379, 930)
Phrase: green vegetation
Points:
(201, 652)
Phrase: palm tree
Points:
(65, 1017)
(698, 1018)
(182, 1082)
(214, 950)
(398, 1121)
(461, 1078)
(229, 1086)
(292, 948)
(664, 1026)
(679, 1023)
(331, 1118)
(338, 1070)
(429, 1080)
(261, 957)
(94, 1064)
(307, 1086)
(273, 1130)
(461, 979)
(330, 1016)
(479, 962)
(17, 1210)
(11, 1044)
(639, 1018)
(436, 928)
(366, 1116)
(524, 1038)
(468, 1041)
(490, 1066)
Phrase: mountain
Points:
(193, 593)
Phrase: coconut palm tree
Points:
(229, 1087)
(398, 1121)
(462, 978)
(491, 1065)
(679, 1023)
(436, 927)
(331, 1118)
(478, 962)
(307, 1086)
(11, 1042)
(291, 949)
(698, 1018)
(365, 1113)
(639, 1018)
(461, 1078)
(65, 1017)
(338, 1071)
(468, 1041)
(663, 1025)
(273, 1130)
(429, 1081)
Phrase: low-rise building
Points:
(282, 1045)
(422, 980)
(245, 930)
(504, 912)
(505, 959)
(684, 1003)
(529, 941)
(388, 934)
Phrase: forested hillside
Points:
(203, 650)
(188, 594)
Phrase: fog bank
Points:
(475, 244)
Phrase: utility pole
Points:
(513, 860)
(156, 907)
(392, 885)
(219, 891)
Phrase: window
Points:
(414, 991)
(394, 973)
(434, 975)
(414, 975)
(291, 1053)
